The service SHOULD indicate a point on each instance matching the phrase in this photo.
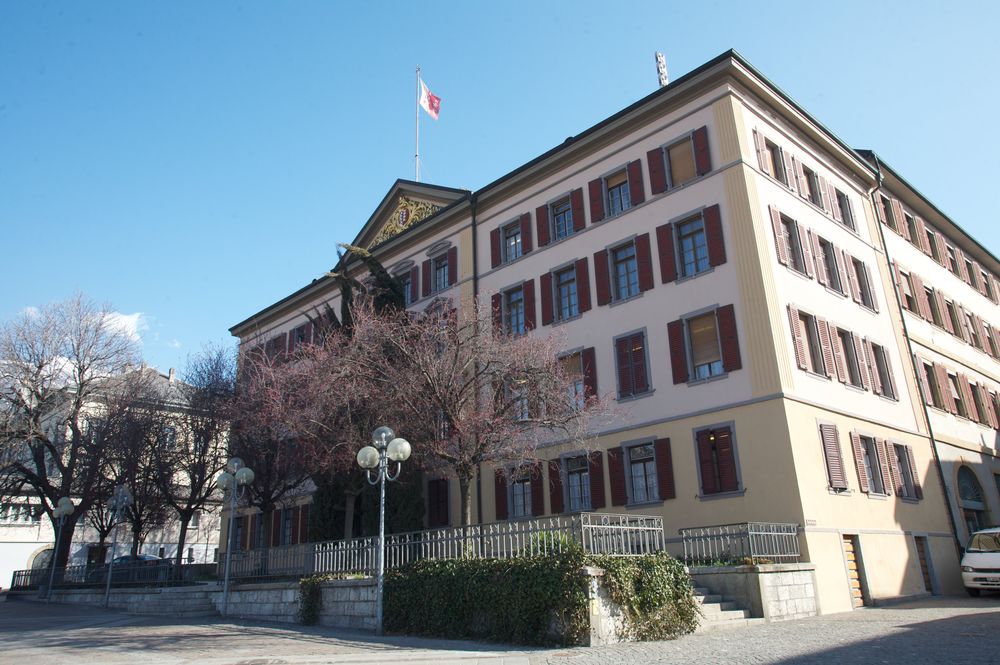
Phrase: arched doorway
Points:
(970, 500)
(41, 559)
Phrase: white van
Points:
(981, 562)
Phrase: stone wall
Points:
(346, 603)
(776, 592)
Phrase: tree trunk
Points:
(465, 492)
(185, 519)
(350, 500)
(136, 540)
(65, 540)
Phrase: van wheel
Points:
(973, 592)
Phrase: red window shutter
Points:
(798, 343)
(838, 355)
(980, 331)
(526, 233)
(542, 225)
(869, 360)
(295, 525)
(820, 258)
(970, 403)
(528, 293)
(494, 248)
(944, 385)
(942, 249)
(702, 157)
(426, 278)
(304, 532)
(805, 246)
(602, 280)
(923, 305)
(824, 193)
(537, 491)
(624, 365)
(791, 178)
(726, 318)
(780, 238)
(991, 414)
(859, 461)
(939, 299)
(500, 493)
(452, 265)
(834, 208)
(665, 247)
(635, 187)
(596, 188)
(924, 382)
(616, 471)
(897, 214)
(576, 205)
(678, 351)
(894, 471)
(713, 235)
(852, 278)
(664, 469)
(638, 349)
(917, 487)
(883, 464)
(762, 157)
(545, 287)
(596, 471)
(644, 262)
(834, 461)
(728, 478)
(589, 362)
(496, 308)
(582, 285)
(826, 345)
(706, 463)
(925, 245)
(276, 527)
(800, 179)
(963, 271)
(555, 486)
(657, 171)
(414, 284)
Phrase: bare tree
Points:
(53, 362)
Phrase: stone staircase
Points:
(721, 614)
(180, 601)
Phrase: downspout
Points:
(872, 193)
(475, 297)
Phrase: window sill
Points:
(839, 492)
(877, 496)
(687, 278)
(644, 504)
(710, 379)
(722, 495)
(617, 302)
(887, 398)
(908, 499)
(559, 322)
(633, 398)
(835, 291)
(869, 308)
(855, 388)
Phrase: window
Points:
(776, 161)
(990, 343)
(812, 193)
(562, 219)
(810, 337)
(971, 272)
(829, 265)
(190, 557)
(884, 372)
(887, 214)
(905, 488)
(616, 186)
(567, 306)
(850, 358)
(987, 289)
(680, 162)
(195, 520)
(511, 237)
(573, 366)
(168, 437)
(977, 399)
(956, 323)
(717, 460)
(909, 298)
(693, 247)
(956, 395)
(932, 386)
(703, 341)
(406, 284)
(846, 214)
(872, 468)
(864, 283)
(19, 513)
(642, 473)
(437, 503)
(520, 492)
(952, 259)
(630, 356)
(974, 338)
(793, 244)
(440, 266)
(935, 309)
(911, 228)
(513, 311)
(518, 397)
(287, 525)
(624, 272)
(578, 483)
(932, 243)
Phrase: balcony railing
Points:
(747, 542)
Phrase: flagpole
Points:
(416, 117)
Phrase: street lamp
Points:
(234, 480)
(120, 500)
(64, 508)
(385, 448)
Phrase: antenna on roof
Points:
(661, 69)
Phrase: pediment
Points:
(407, 203)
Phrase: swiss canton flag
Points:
(429, 101)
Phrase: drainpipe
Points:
(475, 296)
(872, 193)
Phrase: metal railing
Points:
(156, 573)
(743, 543)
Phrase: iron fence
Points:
(746, 542)
(160, 572)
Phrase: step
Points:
(716, 614)
(729, 624)
(707, 598)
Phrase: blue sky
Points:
(191, 162)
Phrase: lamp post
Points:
(385, 448)
(120, 500)
(64, 508)
(234, 480)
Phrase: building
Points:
(715, 260)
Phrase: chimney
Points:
(171, 374)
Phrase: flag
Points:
(429, 101)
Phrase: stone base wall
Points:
(346, 603)
(776, 592)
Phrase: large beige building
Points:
(714, 259)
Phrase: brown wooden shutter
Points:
(790, 175)
(872, 291)
(839, 362)
(276, 527)
(657, 171)
(713, 235)
(426, 277)
(496, 309)
(883, 464)
(942, 249)
(526, 233)
(576, 205)
(980, 331)
(728, 338)
(894, 471)
(637, 191)
(702, 157)
(820, 258)
(304, 532)
(706, 463)
(922, 241)
(841, 271)
(917, 487)
(859, 353)
(728, 478)
(414, 284)
(762, 157)
(991, 414)
(582, 285)
(623, 361)
(664, 469)
(665, 248)
(555, 486)
(528, 294)
(452, 265)
(780, 238)
(589, 363)
(834, 460)
(296, 524)
(798, 343)
(545, 289)
(805, 247)
(644, 262)
(800, 179)
(963, 271)
(859, 461)
(824, 193)
(945, 315)
(542, 225)
(638, 349)
(944, 385)
(602, 280)
(869, 357)
(826, 345)
(494, 248)
(616, 471)
(962, 329)
(897, 214)
(596, 188)
(500, 493)
(924, 382)
(852, 278)
(596, 472)
(923, 305)
(834, 208)
(537, 491)
(678, 351)
(970, 403)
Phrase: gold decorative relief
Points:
(407, 213)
